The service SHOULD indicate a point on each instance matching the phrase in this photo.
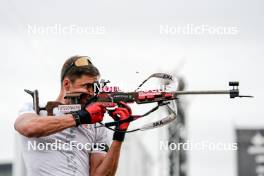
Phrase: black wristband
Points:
(85, 117)
(76, 118)
(81, 117)
(119, 136)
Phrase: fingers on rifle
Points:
(120, 111)
(108, 105)
(126, 106)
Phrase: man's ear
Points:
(66, 84)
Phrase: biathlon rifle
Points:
(139, 97)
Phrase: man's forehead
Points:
(86, 79)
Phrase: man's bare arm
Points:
(33, 125)
(106, 165)
(109, 164)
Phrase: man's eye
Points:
(88, 86)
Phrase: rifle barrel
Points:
(202, 92)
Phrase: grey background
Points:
(132, 42)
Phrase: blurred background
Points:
(206, 43)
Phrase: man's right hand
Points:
(90, 114)
(121, 113)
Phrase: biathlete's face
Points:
(84, 84)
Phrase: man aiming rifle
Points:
(79, 125)
(78, 74)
